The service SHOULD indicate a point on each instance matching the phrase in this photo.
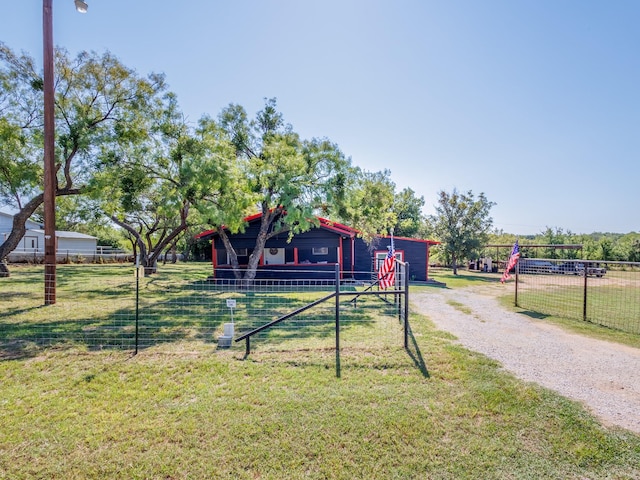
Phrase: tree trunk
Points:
(261, 241)
(171, 250)
(254, 259)
(4, 269)
(150, 262)
(455, 265)
(17, 232)
(233, 256)
(134, 248)
(144, 257)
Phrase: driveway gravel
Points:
(604, 376)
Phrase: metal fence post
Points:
(137, 303)
(406, 305)
(338, 320)
(397, 297)
(584, 296)
(517, 281)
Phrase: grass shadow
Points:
(532, 314)
(100, 315)
(416, 355)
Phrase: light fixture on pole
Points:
(50, 181)
(81, 6)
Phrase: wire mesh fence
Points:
(604, 293)
(114, 307)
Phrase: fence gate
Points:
(397, 294)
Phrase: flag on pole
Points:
(513, 259)
(387, 271)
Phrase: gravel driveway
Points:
(603, 376)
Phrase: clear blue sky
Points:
(534, 103)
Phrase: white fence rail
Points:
(99, 254)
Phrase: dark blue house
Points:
(315, 253)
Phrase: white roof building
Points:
(33, 239)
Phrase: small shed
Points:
(66, 242)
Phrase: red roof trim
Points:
(430, 242)
(337, 227)
(253, 217)
(329, 225)
(205, 233)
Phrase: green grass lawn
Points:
(186, 409)
(612, 306)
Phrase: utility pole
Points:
(50, 183)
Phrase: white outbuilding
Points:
(67, 243)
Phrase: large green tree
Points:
(288, 180)
(153, 184)
(367, 203)
(408, 210)
(462, 223)
(98, 103)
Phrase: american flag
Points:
(513, 259)
(387, 271)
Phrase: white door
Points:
(274, 256)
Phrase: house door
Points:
(274, 256)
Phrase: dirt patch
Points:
(602, 375)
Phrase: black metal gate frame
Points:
(403, 311)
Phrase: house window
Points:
(320, 250)
(381, 255)
(240, 252)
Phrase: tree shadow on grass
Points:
(316, 323)
(168, 312)
(350, 321)
(159, 322)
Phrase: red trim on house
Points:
(325, 223)
(329, 225)
(337, 227)
(214, 256)
(205, 233)
(420, 240)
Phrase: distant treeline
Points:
(624, 247)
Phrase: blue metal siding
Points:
(415, 252)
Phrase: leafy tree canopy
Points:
(287, 179)
(409, 218)
(462, 223)
(99, 103)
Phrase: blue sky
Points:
(534, 103)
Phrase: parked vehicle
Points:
(568, 268)
(592, 270)
(536, 266)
